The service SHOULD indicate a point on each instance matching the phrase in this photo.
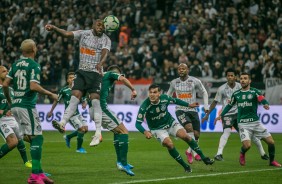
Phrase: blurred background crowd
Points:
(154, 36)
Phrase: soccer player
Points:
(162, 124)
(185, 88)
(111, 121)
(9, 127)
(94, 48)
(24, 75)
(247, 100)
(77, 121)
(223, 95)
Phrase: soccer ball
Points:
(111, 23)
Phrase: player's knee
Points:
(12, 141)
(189, 128)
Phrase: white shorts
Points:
(254, 129)
(28, 120)
(77, 121)
(161, 134)
(107, 122)
(8, 126)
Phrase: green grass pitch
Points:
(152, 162)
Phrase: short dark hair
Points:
(153, 86)
(113, 67)
(245, 73)
(230, 70)
(70, 73)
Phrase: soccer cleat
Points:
(47, 174)
(81, 150)
(242, 159)
(67, 141)
(45, 179)
(188, 169)
(265, 157)
(275, 164)
(189, 157)
(218, 157)
(127, 170)
(58, 126)
(28, 164)
(35, 179)
(198, 158)
(96, 139)
(120, 167)
(208, 161)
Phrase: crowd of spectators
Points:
(154, 36)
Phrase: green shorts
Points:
(28, 120)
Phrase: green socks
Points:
(79, 139)
(271, 151)
(4, 150)
(193, 144)
(73, 134)
(116, 145)
(36, 151)
(123, 148)
(243, 150)
(174, 154)
(22, 150)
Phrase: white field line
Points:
(197, 176)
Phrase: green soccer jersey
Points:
(22, 72)
(3, 100)
(157, 115)
(108, 81)
(247, 103)
(65, 94)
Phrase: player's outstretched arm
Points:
(34, 86)
(126, 82)
(49, 114)
(64, 33)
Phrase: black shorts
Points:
(87, 82)
(185, 118)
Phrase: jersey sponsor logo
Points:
(245, 104)
(184, 95)
(19, 94)
(16, 100)
(22, 63)
(87, 51)
(159, 116)
(4, 101)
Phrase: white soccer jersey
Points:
(90, 47)
(186, 91)
(224, 94)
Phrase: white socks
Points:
(70, 110)
(257, 142)
(97, 115)
(223, 140)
